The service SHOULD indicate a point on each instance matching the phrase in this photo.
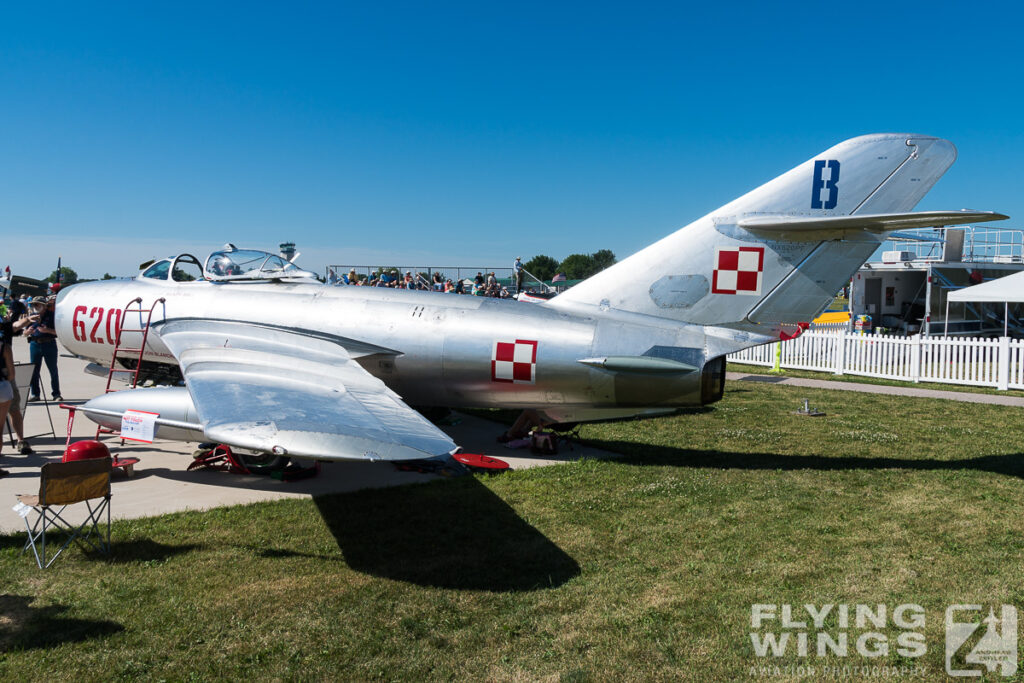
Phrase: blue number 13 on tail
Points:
(819, 185)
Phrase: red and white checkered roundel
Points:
(738, 270)
(514, 362)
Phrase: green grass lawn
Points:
(859, 379)
(640, 568)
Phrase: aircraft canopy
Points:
(231, 263)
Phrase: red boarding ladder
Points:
(134, 306)
(137, 303)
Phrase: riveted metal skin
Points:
(432, 349)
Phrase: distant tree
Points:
(582, 266)
(67, 276)
(108, 276)
(577, 266)
(541, 266)
(603, 259)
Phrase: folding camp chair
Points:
(62, 484)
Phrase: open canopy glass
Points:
(231, 263)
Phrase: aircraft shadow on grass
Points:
(447, 534)
(24, 627)
(143, 550)
(1009, 464)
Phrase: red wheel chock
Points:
(478, 462)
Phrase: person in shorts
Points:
(6, 387)
(8, 330)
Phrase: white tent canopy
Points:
(1004, 289)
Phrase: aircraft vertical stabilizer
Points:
(779, 253)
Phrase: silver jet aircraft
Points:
(275, 362)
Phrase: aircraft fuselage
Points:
(455, 350)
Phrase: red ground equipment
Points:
(481, 463)
(86, 450)
(220, 457)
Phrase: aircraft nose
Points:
(68, 298)
(63, 294)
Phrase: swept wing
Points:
(272, 389)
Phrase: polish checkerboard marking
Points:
(738, 270)
(514, 362)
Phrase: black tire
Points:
(259, 463)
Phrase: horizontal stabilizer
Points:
(913, 237)
(876, 222)
(640, 364)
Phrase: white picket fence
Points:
(995, 363)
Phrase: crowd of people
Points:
(481, 285)
(32, 318)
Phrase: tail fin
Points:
(778, 254)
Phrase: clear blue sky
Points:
(451, 134)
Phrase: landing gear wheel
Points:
(203, 450)
(258, 463)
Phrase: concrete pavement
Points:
(161, 483)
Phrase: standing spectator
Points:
(518, 269)
(17, 310)
(6, 378)
(7, 333)
(42, 346)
